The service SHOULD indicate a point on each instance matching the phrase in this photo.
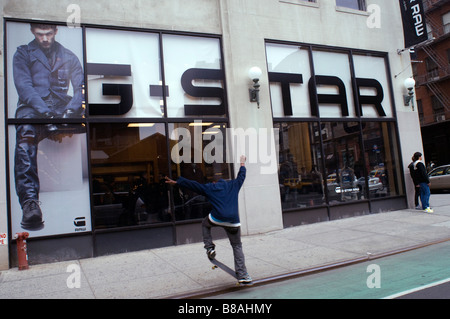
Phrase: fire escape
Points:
(441, 71)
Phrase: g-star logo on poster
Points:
(80, 223)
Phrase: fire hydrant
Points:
(22, 250)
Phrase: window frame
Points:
(87, 121)
(362, 5)
(400, 184)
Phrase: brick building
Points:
(431, 68)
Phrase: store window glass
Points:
(289, 72)
(124, 78)
(373, 87)
(198, 152)
(194, 76)
(343, 161)
(382, 159)
(300, 176)
(332, 85)
(128, 165)
(352, 4)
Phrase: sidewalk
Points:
(184, 271)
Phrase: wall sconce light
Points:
(254, 74)
(409, 85)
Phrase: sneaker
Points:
(418, 207)
(32, 216)
(428, 210)
(211, 253)
(247, 280)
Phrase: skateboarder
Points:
(223, 195)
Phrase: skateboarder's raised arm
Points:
(242, 172)
(241, 176)
(192, 185)
(203, 189)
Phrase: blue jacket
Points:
(223, 195)
(36, 79)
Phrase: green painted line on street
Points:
(397, 273)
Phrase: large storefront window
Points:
(124, 74)
(193, 73)
(337, 132)
(382, 159)
(197, 152)
(96, 120)
(352, 171)
(343, 161)
(128, 163)
(288, 74)
(300, 175)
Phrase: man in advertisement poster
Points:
(43, 71)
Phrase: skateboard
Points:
(228, 270)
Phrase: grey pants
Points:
(234, 235)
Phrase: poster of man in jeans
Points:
(49, 80)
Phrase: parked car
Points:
(375, 184)
(440, 178)
(343, 190)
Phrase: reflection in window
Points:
(129, 162)
(197, 153)
(192, 66)
(300, 177)
(353, 4)
(349, 175)
(382, 159)
(439, 171)
(353, 171)
(343, 162)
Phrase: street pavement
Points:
(184, 271)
